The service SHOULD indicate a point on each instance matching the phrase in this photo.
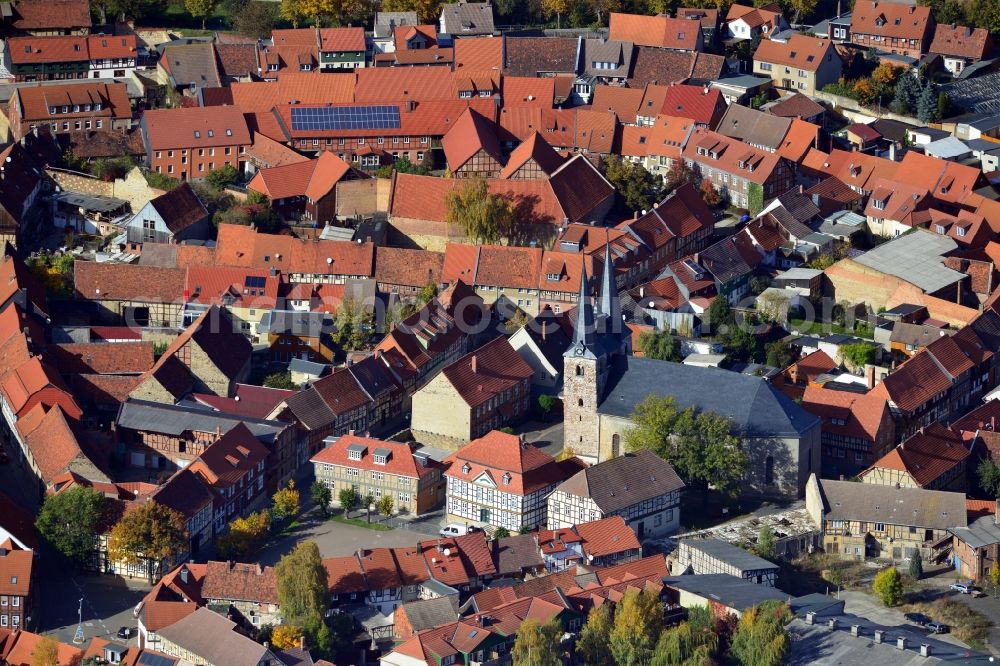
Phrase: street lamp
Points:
(78, 636)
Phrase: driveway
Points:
(546, 436)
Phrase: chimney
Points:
(474, 365)
(232, 563)
(901, 642)
(184, 574)
(260, 569)
(302, 642)
(870, 375)
(879, 635)
(925, 649)
(892, 151)
(802, 188)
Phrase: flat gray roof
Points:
(917, 257)
(982, 532)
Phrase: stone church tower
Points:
(597, 338)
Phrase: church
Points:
(603, 382)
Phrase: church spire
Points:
(609, 304)
(583, 331)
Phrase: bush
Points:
(161, 182)
(888, 586)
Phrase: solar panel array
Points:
(345, 118)
(255, 282)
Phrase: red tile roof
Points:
(960, 41)
(926, 456)
(127, 282)
(313, 179)
(497, 368)
(661, 31)
(863, 414)
(111, 46)
(235, 581)
(238, 245)
(800, 51)
(703, 105)
(623, 102)
(34, 102)
(41, 50)
(52, 443)
(470, 134)
(413, 268)
(249, 400)
(301, 87)
(224, 286)
(479, 54)
(890, 20)
(341, 39)
(513, 465)
(914, 383)
(528, 91)
(234, 455)
(196, 127)
(536, 149)
(21, 647)
(607, 536)
(121, 358)
(45, 15)
(400, 461)
(15, 570)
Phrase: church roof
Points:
(754, 406)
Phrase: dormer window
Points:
(938, 228)
(97, 106)
(197, 134)
(960, 231)
(379, 459)
(506, 479)
(878, 204)
(466, 468)
(53, 110)
(552, 277)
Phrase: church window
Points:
(579, 402)
(579, 371)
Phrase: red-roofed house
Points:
(16, 593)
(73, 107)
(233, 467)
(307, 189)
(381, 467)
(705, 106)
(960, 45)
(48, 58)
(501, 480)
(934, 458)
(662, 31)
(892, 27)
(471, 147)
(743, 22)
(802, 63)
(484, 390)
(341, 48)
(190, 142)
(857, 428)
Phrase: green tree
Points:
(427, 293)
(765, 543)
(993, 577)
(538, 644)
(638, 187)
(989, 477)
(859, 354)
(385, 505)
(906, 92)
(927, 103)
(761, 637)
(659, 345)
(223, 177)
(501, 533)
(594, 644)
(152, 532)
(719, 316)
(200, 9)
(280, 380)
(367, 501)
(779, 354)
(888, 586)
(803, 8)
(692, 643)
(302, 584)
(916, 566)
(256, 19)
(546, 403)
(321, 496)
(348, 499)
(69, 521)
(755, 198)
(286, 502)
(485, 217)
(637, 626)
(353, 324)
(679, 174)
(700, 446)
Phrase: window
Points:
(379, 459)
(765, 67)
(880, 527)
(354, 455)
(15, 601)
(148, 230)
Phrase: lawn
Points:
(804, 327)
(360, 522)
(820, 572)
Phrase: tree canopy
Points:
(69, 521)
(637, 626)
(761, 637)
(285, 502)
(659, 345)
(485, 217)
(594, 644)
(888, 586)
(638, 187)
(538, 644)
(699, 445)
(151, 531)
(302, 584)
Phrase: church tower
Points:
(599, 335)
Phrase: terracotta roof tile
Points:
(238, 245)
(800, 51)
(528, 91)
(34, 102)
(301, 87)
(660, 31)
(414, 268)
(961, 41)
(226, 462)
(400, 462)
(237, 60)
(123, 282)
(48, 14)
(498, 368)
(478, 54)
(927, 455)
(40, 50)
(796, 105)
(705, 108)
(470, 134)
(537, 56)
(22, 645)
(196, 127)
(914, 383)
(891, 20)
(235, 581)
(341, 39)
(15, 571)
(623, 102)
(102, 358)
(607, 536)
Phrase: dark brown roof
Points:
(237, 60)
(660, 66)
(621, 482)
(46, 14)
(517, 554)
(125, 282)
(185, 493)
(529, 56)
(102, 358)
(580, 188)
(180, 208)
(796, 105)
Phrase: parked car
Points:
(457, 529)
(937, 627)
(962, 588)
(917, 618)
